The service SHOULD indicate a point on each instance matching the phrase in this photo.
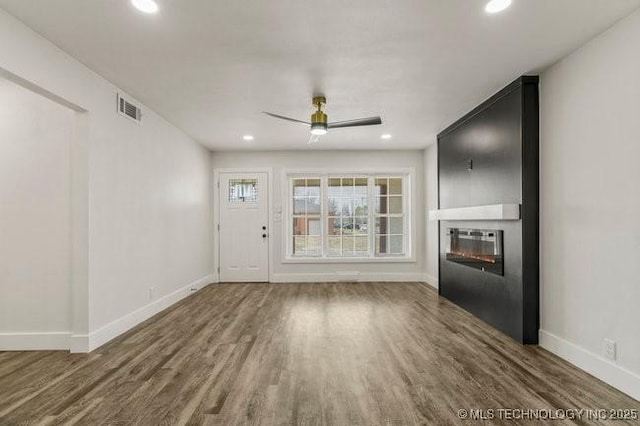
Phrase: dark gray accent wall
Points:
(500, 137)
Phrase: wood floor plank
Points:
(301, 354)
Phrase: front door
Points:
(244, 233)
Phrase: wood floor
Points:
(300, 354)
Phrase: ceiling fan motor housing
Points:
(319, 119)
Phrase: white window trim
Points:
(409, 195)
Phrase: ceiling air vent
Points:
(129, 109)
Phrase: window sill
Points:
(349, 260)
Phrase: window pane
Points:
(299, 205)
(381, 244)
(306, 226)
(334, 181)
(396, 225)
(360, 207)
(313, 205)
(313, 186)
(299, 187)
(348, 245)
(361, 246)
(299, 226)
(334, 207)
(381, 205)
(382, 225)
(395, 205)
(310, 246)
(396, 244)
(361, 227)
(344, 191)
(335, 246)
(340, 207)
(310, 191)
(389, 244)
(335, 226)
(360, 182)
(314, 245)
(306, 187)
(381, 186)
(299, 245)
(314, 226)
(395, 186)
(347, 207)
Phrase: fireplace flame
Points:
(482, 257)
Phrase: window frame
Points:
(408, 196)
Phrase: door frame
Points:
(216, 214)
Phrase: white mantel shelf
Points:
(492, 212)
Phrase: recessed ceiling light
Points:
(248, 137)
(146, 6)
(385, 136)
(495, 6)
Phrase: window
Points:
(342, 216)
(389, 216)
(307, 234)
(243, 190)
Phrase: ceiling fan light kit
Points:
(318, 129)
(319, 124)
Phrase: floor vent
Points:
(129, 109)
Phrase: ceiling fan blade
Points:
(370, 121)
(313, 139)
(282, 117)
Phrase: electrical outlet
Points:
(609, 349)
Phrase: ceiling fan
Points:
(319, 124)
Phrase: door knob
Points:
(264, 235)
(264, 228)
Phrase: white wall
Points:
(35, 243)
(150, 216)
(432, 249)
(347, 161)
(590, 204)
(141, 192)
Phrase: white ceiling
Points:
(211, 66)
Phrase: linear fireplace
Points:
(477, 248)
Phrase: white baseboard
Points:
(45, 341)
(431, 280)
(97, 338)
(79, 344)
(345, 276)
(605, 370)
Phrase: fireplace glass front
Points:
(477, 248)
